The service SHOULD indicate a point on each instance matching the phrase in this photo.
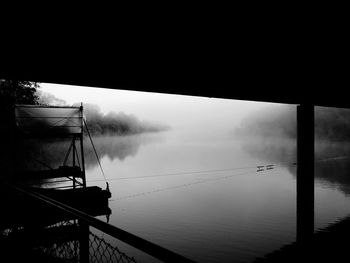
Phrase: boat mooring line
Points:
(181, 186)
(93, 146)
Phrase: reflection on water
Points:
(214, 216)
(219, 216)
(32, 154)
(280, 151)
(118, 147)
(222, 214)
(332, 159)
(332, 166)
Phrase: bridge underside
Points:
(295, 85)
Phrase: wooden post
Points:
(305, 172)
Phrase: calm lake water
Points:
(201, 196)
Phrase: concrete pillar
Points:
(305, 172)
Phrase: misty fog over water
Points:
(194, 187)
(181, 200)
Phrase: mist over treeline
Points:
(331, 124)
(117, 123)
(111, 123)
(270, 135)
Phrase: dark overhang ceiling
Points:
(319, 83)
(282, 89)
(263, 59)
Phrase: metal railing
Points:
(84, 219)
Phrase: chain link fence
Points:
(63, 241)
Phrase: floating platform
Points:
(19, 211)
(60, 172)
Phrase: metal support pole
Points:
(305, 172)
(82, 144)
(84, 240)
(73, 143)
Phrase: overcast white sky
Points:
(178, 111)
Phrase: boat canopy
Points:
(49, 121)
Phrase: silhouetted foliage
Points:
(19, 92)
(11, 93)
